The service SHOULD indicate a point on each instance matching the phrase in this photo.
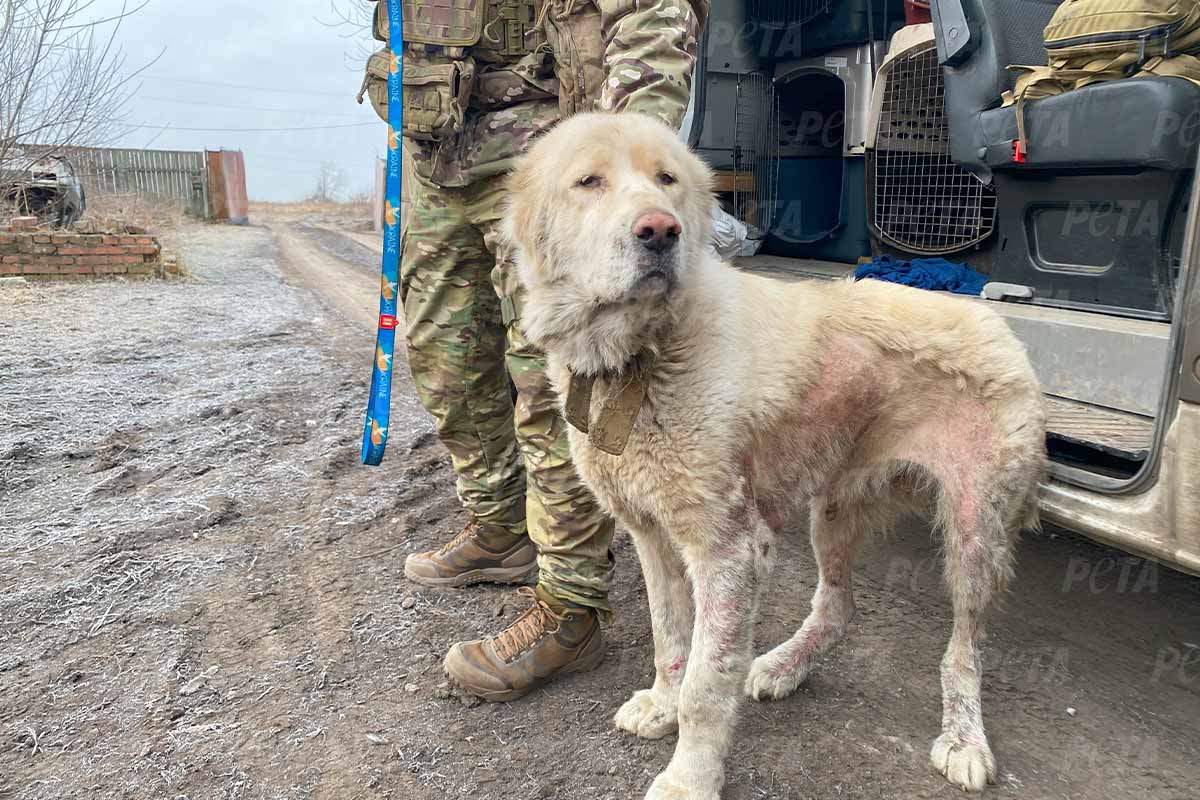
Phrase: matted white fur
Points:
(854, 401)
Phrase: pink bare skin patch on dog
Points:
(720, 613)
(802, 449)
(848, 387)
(672, 674)
(958, 447)
(804, 653)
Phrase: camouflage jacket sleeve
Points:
(649, 54)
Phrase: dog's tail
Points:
(1026, 515)
(1032, 520)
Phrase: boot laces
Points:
(531, 626)
(466, 533)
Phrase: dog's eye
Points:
(590, 182)
(666, 178)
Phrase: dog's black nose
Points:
(657, 231)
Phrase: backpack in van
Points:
(1090, 41)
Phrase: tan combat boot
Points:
(548, 640)
(478, 554)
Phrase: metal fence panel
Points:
(155, 174)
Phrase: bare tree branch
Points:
(63, 78)
(353, 20)
(331, 181)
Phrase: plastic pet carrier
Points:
(818, 27)
(920, 201)
(734, 117)
(821, 211)
(824, 103)
(785, 13)
(827, 96)
(755, 155)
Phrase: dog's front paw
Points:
(669, 785)
(768, 681)
(647, 715)
(969, 765)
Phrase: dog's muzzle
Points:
(657, 251)
(658, 231)
(657, 274)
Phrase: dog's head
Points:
(608, 215)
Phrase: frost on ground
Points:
(202, 592)
(138, 396)
(154, 439)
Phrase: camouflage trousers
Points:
(465, 344)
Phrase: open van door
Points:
(1097, 228)
(1156, 511)
(1094, 230)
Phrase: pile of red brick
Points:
(31, 253)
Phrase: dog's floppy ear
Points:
(702, 174)
(705, 200)
(520, 213)
(518, 232)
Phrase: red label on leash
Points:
(387, 322)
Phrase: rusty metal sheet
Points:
(217, 209)
(235, 187)
(227, 199)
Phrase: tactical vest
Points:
(448, 44)
(495, 31)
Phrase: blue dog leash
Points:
(375, 429)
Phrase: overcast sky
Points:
(300, 73)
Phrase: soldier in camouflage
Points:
(481, 79)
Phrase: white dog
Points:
(716, 403)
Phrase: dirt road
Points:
(201, 591)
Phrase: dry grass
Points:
(121, 213)
(114, 213)
(348, 216)
(360, 209)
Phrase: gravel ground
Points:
(202, 596)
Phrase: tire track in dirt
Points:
(335, 586)
(371, 241)
(351, 292)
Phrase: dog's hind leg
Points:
(978, 552)
(653, 713)
(836, 533)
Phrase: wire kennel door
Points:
(922, 202)
(786, 12)
(756, 151)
